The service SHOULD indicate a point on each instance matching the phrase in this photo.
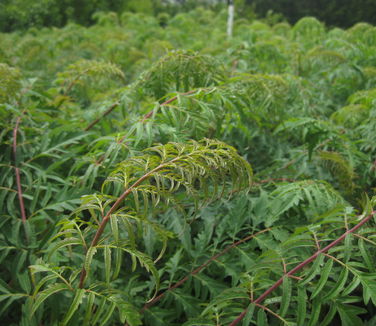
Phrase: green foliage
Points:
(125, 172)
(9, 82)
(180, 71)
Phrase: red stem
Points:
(108, 111)
(18, 177)
(301, 265)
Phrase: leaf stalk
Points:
(301, 265)
(17, 171)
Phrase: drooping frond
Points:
(360, 32)
(198, 167)
(106, 18)
(283, 29)
(351, 115)
(320, 58)
(170, 172)
(309, 130)
(80, 71)
(256, 98)
(315, 197)
(339, 167)
(370, 75)
(265, 89)
(366, 97)
(309, 29)
(180, 71)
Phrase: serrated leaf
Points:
(107, 263)
(315, 312)
(128, 313)
(261, 318)
(89, 308)
(198, 322)
(248, 316)
(286, 296)
(42, 296)
(77, 300)
(114, 227)
(349, 314)
(88, 258)
(14, 296)
(108, 313)
(314, 270)
(302, 305)
(63, 243)
(24, 281)
(369, 287)
(323, 279)
(366, 256)
(329, 316)
(339, 286)
(99, 310)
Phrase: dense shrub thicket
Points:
(171, 176)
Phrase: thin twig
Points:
(108, 111)
(74, 81)
(17, 170)
(303, 264)
(271, 312)
(364, 238)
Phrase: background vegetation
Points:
(23, 14)
(155, 172)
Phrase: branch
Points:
(108, 111)
(272, 313)
(303, 264)
(17, 170)
(74, 81)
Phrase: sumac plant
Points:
(171, 176)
